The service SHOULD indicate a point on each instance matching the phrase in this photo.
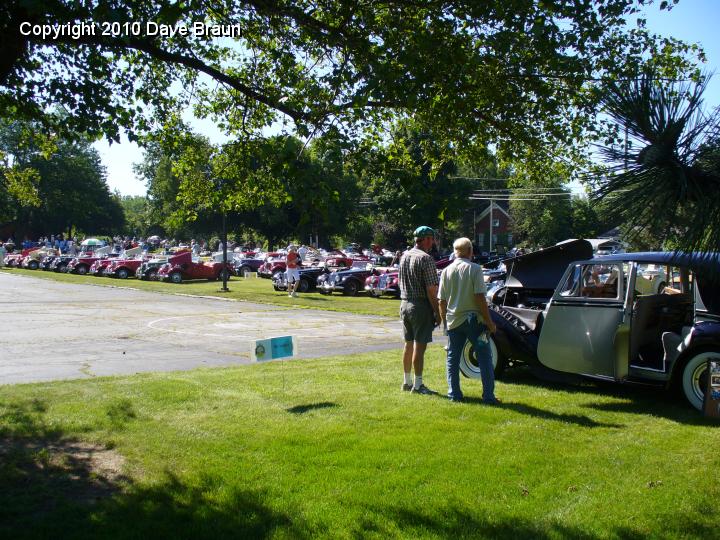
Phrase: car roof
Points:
(692, 260)
(706, 267)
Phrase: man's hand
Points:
(438, 319)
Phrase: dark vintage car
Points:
(59, 264)
(47, 262)
(246, 265)
(182, 267)
(147, 270)
(602, 321)
(349, 281)
(308, 279)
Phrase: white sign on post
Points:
(274, 348)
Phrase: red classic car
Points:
(387, 283)
(126, 264)
(15, 259)
(98, 267)
(182, 267)
(383, 283)
(84, 261)
(274, 263)
(338, 259)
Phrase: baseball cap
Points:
(423, 231)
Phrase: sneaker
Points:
(290, 295)
(493, 401)
(406, 387)
(423, 390)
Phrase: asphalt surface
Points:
(55, 331)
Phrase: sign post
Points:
(712, 392)
(273, 349)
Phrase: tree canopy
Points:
(510, 73)
(67, 183)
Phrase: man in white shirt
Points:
(302, 253)
(465, 313)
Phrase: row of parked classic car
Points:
(638, 318)
(174, 267)
(350, 273)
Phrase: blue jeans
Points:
(470, 330)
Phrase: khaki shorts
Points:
(292, 275)
(418, 320)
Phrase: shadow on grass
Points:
(635, 399)
(578, 420)
(53, 486)
(206, 508)
(451, 522)
(669, 407)
(44, 474)
(302, 409)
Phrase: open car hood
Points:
(543, 269)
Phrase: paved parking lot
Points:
(57, 330)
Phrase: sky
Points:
(694, 21)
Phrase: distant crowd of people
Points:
(66, 244)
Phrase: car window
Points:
(593, 281)
(650, 279)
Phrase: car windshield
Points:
(594, 281)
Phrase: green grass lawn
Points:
(332, 448)
(250, 289)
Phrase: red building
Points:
(492, 228)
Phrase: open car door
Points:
(586, 327)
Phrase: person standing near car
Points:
(419, 313)
(465, 314)
(302, 253)
(292, 273)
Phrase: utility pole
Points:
(225, 261)
(492, 202)
(219, 184)
(474, 226)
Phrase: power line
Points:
(521, 194)
(479, 178)
(522, 189)
(519, 197)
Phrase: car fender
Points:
(704, 335)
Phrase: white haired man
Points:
(464, 310)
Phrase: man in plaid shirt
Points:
(419, 310)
